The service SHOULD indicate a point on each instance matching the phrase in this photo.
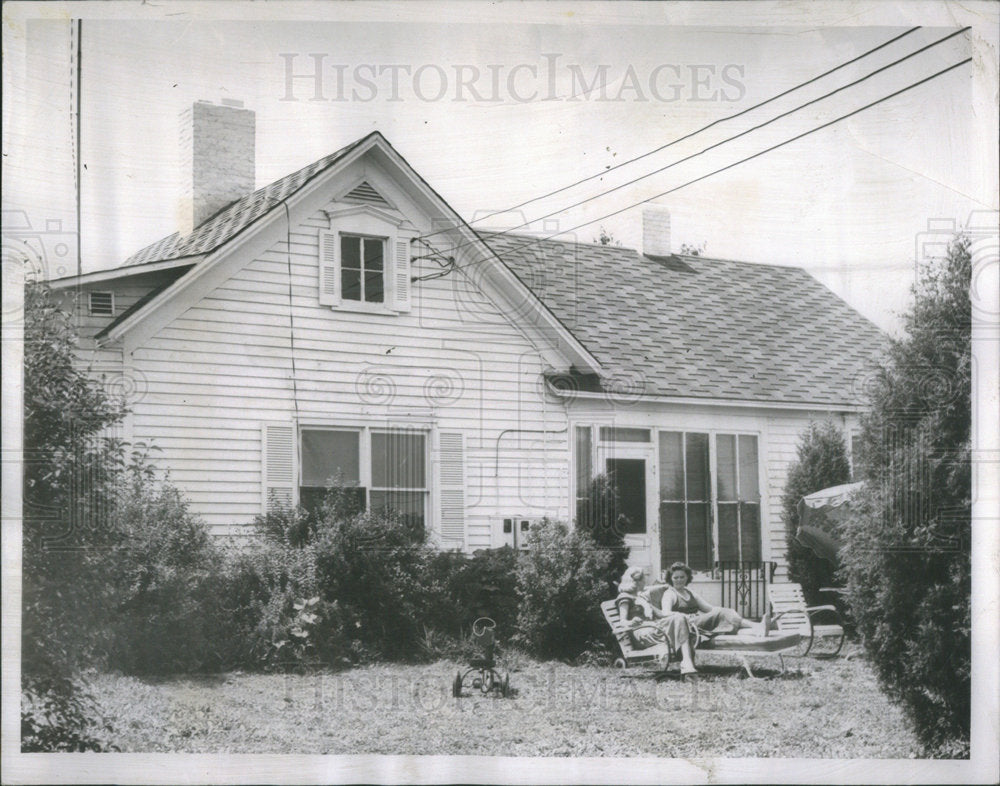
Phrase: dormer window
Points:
(364, 260)
(362, 268)
(101, 304)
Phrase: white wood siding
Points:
(215, 374)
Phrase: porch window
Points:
(688, 505)
(377, 469)
(685, 500)
(738, 497)
(616, 434)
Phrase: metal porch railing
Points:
(744, 586)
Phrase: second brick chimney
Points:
(655, 230)
(217, 156)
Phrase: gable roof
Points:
(694, 327)
(679, 326)
(230, 221)
(244, 220)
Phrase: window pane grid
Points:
(362, 268)
(709, 500)
(685, 499)
(738, 503)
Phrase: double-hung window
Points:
(377, 468)
(364, 260)
(362, 268)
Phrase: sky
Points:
(495, 105)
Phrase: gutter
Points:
(609, 398)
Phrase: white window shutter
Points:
(451, 464)
(329, 291)
(278, 452)
(401, 274)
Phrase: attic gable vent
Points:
(102, 304)
(366, 194)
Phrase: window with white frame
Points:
(702, 522)
(377, 469)
(708, 495)
(364, 260)
(362, 268)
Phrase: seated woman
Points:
(676, 597)
(648, 625)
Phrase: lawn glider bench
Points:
(788, 606)
(740, 644)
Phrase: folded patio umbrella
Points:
(820, 514)
(821, 543)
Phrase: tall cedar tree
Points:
(907, 551)
(821, 462)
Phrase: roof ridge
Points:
(696, 257)
(213, 240)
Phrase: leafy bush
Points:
(368, 572)
(821, 462)
(286, 525)
(68, 486)
(561, 581)
(462, 588)
(161, 570)
(270, 596)
(598, 516)
(58, 714)
(906, 557)
(373, 565)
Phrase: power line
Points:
(728, 166)
(692, 133)
(736, 136)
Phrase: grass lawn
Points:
(818, 709)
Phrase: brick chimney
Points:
(655, 230)
(217, 156)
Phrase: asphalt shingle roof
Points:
(697, 327)
(232, 220)
(672, 326)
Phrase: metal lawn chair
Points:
(791, 614)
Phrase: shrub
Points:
(561, 581)
(463, 588)
(270, 595)
(161, 569)
(906, 557)
(821, 462)
(598, 516)
(58, 714)
(373, 566)
(68, 486)
(286, 525)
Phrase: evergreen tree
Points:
(907, 551)
(821, 462)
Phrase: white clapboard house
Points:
(345, 323)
